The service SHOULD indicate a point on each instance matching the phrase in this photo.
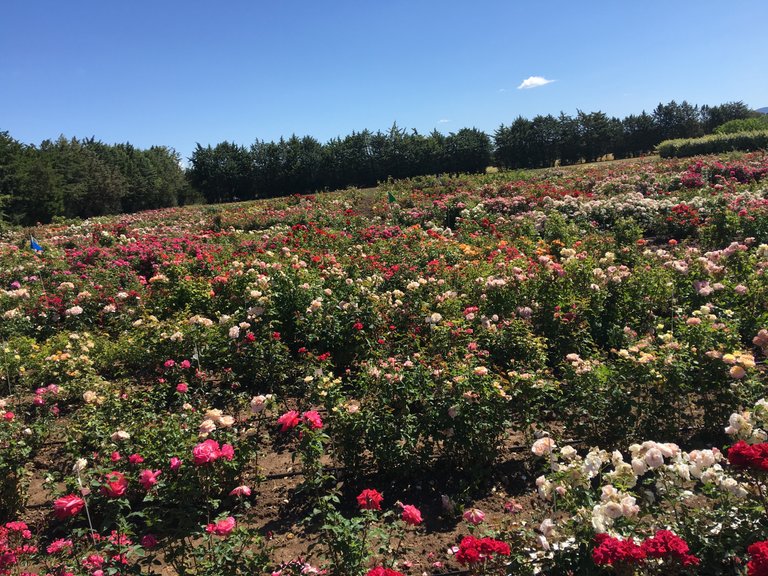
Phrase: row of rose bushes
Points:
(659, 510)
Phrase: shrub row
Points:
(714, 144)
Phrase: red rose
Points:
(148, 541)
(381, 571)
(116, 485)
(68, 506)
(665, 544)
(609, 551)
(758, 559)
(370, 499)
(745, 455)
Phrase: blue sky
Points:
(174, 73)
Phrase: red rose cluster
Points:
(473, 550)
(758, 559)
(381, 571)
(610, 551)
(745, 455)
(665, 544)
(291, 419)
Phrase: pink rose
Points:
(411, 515)
(312, 419)
(222, 527)
(148, 478)
(227, 452)
(288, 420)
(68, 506)
(175, 464)
(206, 452)
(241, 491)
(474, 516)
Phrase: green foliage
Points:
(84, 178)
(713, 144)
(743, 125)
(241, 553)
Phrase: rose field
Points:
(557, 371)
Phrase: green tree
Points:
(10, 153)
(714, 116)
(223, 173)
(512, 144)
(571, 150)
(640, 135)
(468, 150)
(675, 120)
(543, 141)
(743, 125)
(598, 133)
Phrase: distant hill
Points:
(763, 110)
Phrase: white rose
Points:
(543, 446)
(207, 426)
(120, 436)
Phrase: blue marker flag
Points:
(35, 245)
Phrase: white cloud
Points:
(533, 82)
(443, 121)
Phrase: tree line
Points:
(230, 171)
(83, 178)
(71, 178)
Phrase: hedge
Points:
(713, 144)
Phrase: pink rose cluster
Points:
(13, 546)
(209, 451)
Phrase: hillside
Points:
(508, 373)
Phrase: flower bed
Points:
(162, 370)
